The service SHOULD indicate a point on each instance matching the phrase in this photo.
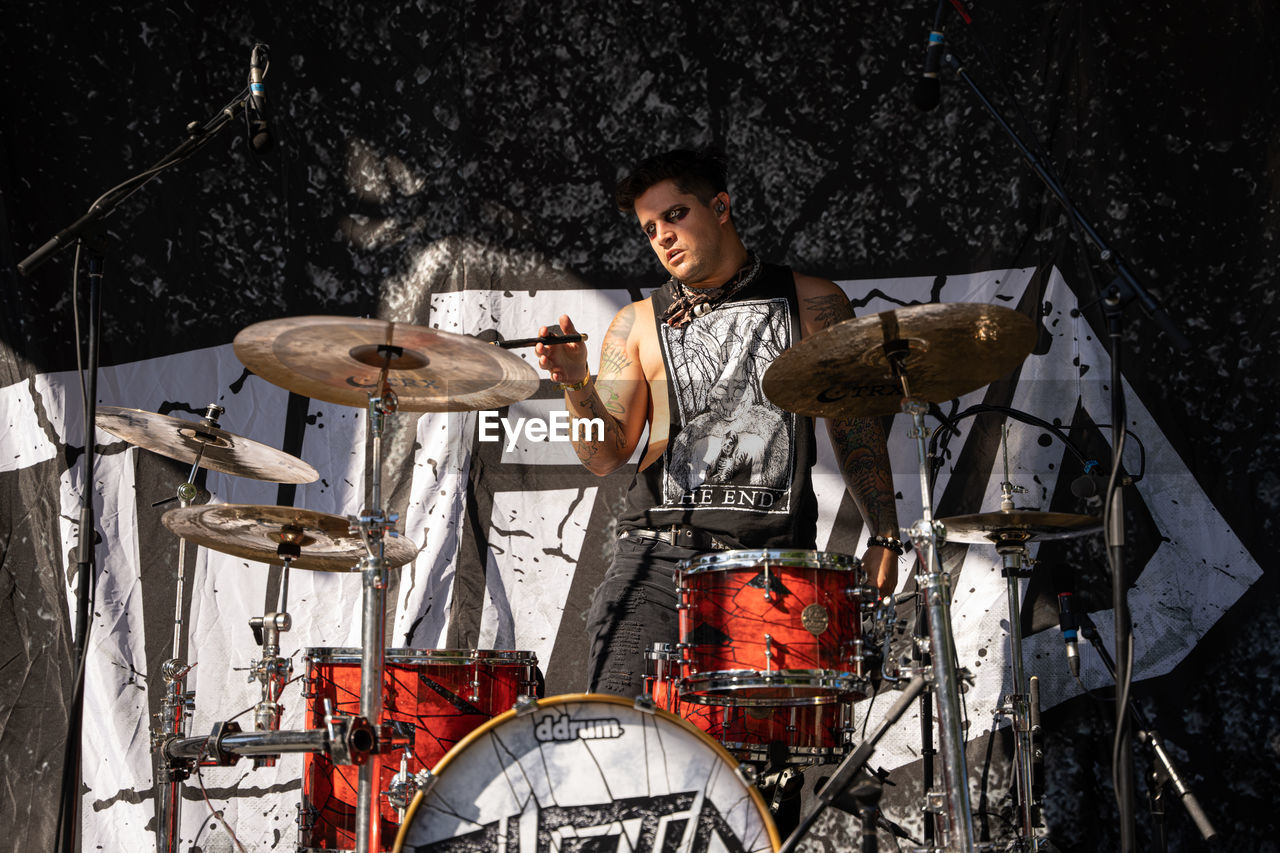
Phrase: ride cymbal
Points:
(326, 542)
(338, 360)
(1018, 525)
(945, 350)
(217, 449)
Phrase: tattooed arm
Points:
(859, 443)
(617, 396)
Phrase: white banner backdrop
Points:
(1194, 576)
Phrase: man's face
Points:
(685, 234)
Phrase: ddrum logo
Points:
(562, 727)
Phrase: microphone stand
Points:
(1123, 289)
(86, 231)
(1163, 770)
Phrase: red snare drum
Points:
(444, 693)
(811, 734)
(766, 627)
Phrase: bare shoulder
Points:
(822, 302)
(632, 320)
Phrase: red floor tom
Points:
(444, 693)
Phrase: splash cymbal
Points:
(217, 449)
(338, 360)
(946, 350)
(1018, 525)
(326, 542)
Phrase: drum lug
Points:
(525, 705)
(768, 653)
(767, 584)
(306, 820)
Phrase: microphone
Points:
(929, 89)
(1067, 619)
(256, 104)
(1088, 486)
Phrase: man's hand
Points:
(881, 566)
(567, 363)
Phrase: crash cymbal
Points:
(338, 359)
(1018, 525)
(949, 350)
(223, 451)
(326, 542)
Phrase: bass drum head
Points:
(587, 772)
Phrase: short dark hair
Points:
(700, 173)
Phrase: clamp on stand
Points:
(272, 670)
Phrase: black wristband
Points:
(892, 543)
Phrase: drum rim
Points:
(790, 558)
(775, 841)
(732, 680)
(353, 654)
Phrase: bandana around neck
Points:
(691, 303)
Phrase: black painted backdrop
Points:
(399, 124)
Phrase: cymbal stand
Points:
(1017, 706)
(1021, 706)
(177, 703)
(272, 671)
(373, 525)
(925, 536)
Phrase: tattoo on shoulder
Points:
(830, 308)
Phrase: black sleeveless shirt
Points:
(735, 465)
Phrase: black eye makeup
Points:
(674, 214)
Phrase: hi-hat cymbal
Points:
(338, 360)
(222, 451)
(326, 542)
(1018, 525)
(946, 349)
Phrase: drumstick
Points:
(541, 339)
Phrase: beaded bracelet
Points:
(576, 386)
(892, 543)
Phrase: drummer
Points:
(723, 468)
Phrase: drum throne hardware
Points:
(860, 368)
(206, 446)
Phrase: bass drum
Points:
(587, 772)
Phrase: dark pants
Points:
(631, 610)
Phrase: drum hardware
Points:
(1164, 772)
(902, 360)
(273, 671)
(351, 738)
(207, 447)
(854, 763)
(1010, 530)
